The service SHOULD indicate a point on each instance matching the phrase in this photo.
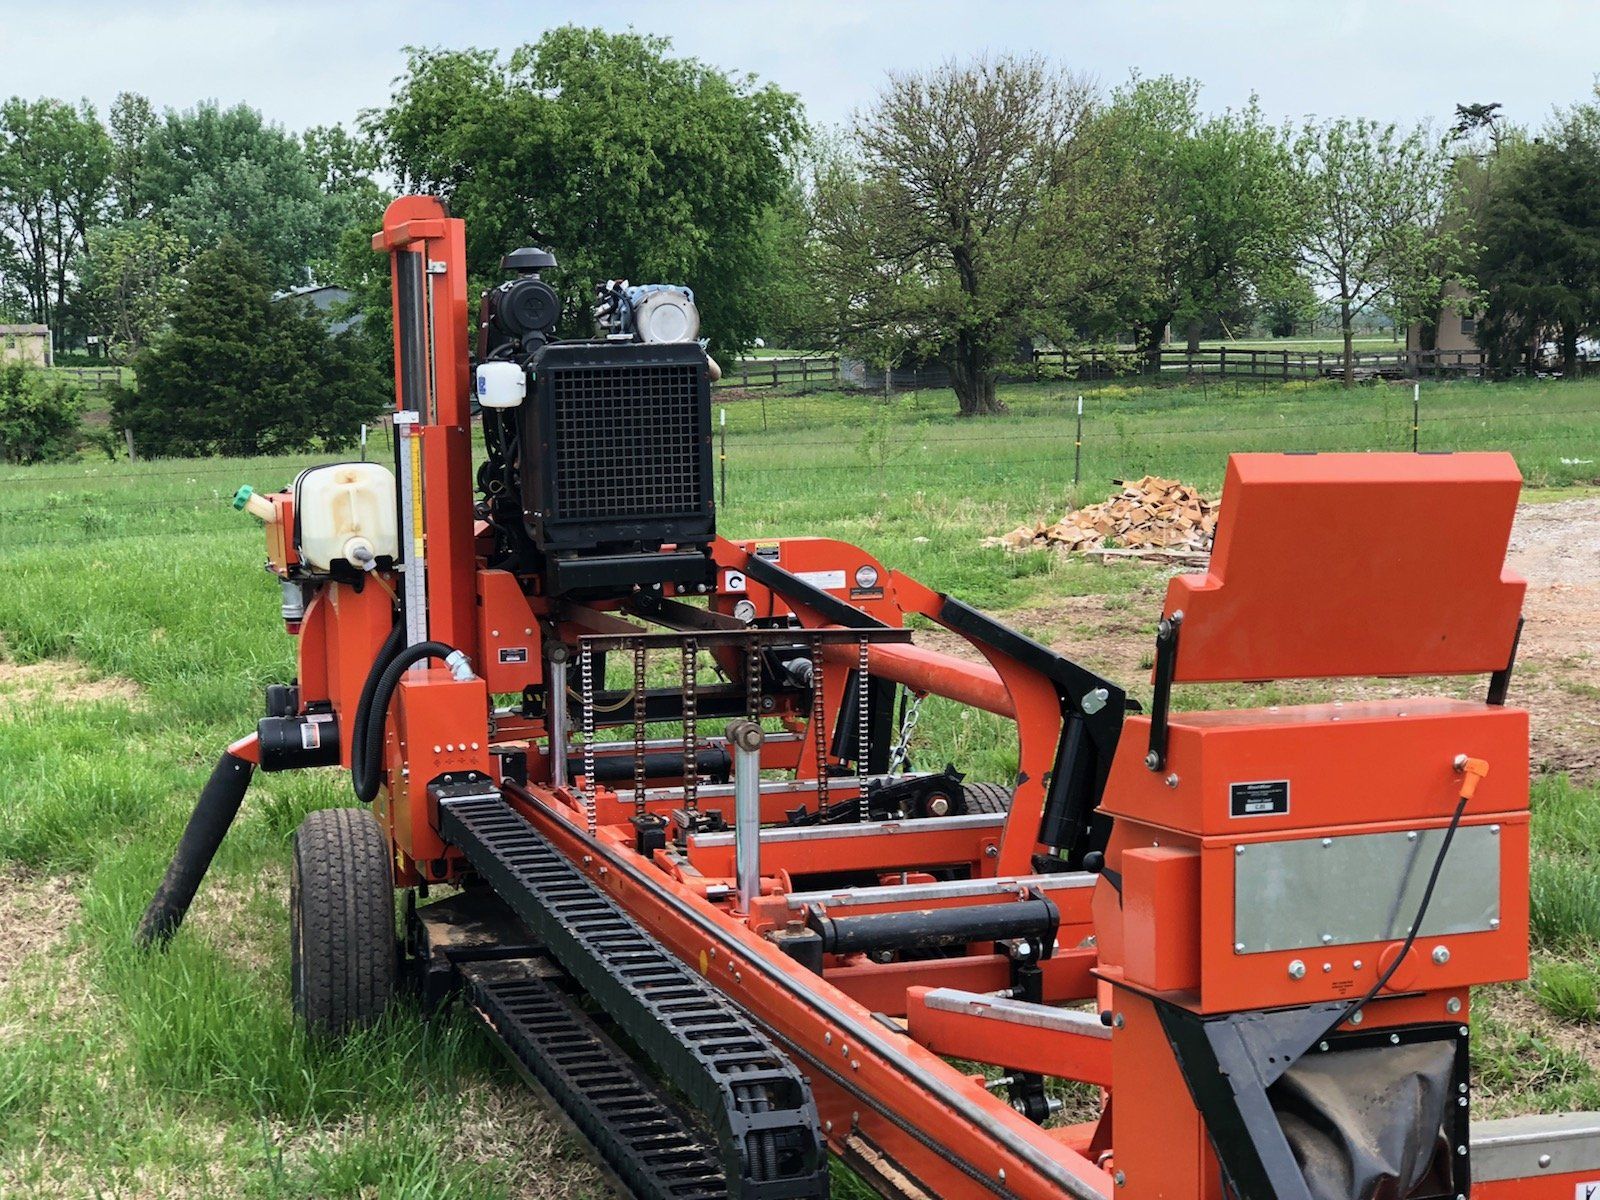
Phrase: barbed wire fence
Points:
(90, 502)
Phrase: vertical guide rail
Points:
(586, 683)
(691, 727)
(638, 728)
(819, 718)
(411, 334)
(745, 738)
(556, 715)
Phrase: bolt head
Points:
(1357, 1017)
(1153, 761)
(1297, 969)
(1452, 1005)
(1441, 955)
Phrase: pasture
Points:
(137, 631)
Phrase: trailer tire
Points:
(988, 798)
(343, 950)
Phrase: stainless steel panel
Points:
(1535, 1147)
(1311, 892)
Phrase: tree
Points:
(1375, 202)
(1540, 263)
(1223, 211)
(241, 373)
(979, 208)
(131, 275)
(218, 174)
(132, 124)
(54, 165)
(620, 158)
(38, 415)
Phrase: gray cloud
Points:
(305, 63)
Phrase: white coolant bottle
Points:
(346, 513)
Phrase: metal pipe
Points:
(556, 714)
(745, 738)
(976, 684)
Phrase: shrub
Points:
(38, 415)
(241, 373)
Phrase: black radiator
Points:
(616, 463)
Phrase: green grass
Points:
(122, 1072)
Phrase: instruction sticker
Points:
(513, 654)
(826, 580)
(1261, 798)
(734, 581)
(1588, 1191)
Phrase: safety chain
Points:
(863, 714)
(691, 733)
(908, 723)
(819, 718)
(752, 680)
(586, 683)
(639, 653)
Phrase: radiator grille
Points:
(628, 441)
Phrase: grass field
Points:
(136, 633)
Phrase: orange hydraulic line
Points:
(974, 684)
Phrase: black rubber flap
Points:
(1368, 1124)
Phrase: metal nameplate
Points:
(1339, 891)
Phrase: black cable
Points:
(378, 712)
(1416, 925)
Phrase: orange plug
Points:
(1473, 769)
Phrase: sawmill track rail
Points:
(759, 1106)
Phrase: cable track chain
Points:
(759, 1105)
(651, 1147)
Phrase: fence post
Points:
(127, 436)
(1416, 416)
(1222, 362)
(1077, 450)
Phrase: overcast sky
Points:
(316, 63)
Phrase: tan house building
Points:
(1457, 329)
(27, 344)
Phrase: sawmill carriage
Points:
(650, 796)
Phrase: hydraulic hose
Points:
(363, 776)
(370, 734)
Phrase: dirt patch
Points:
(1556, 547)
(35, 911)
(60, 681)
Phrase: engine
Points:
(598, 474)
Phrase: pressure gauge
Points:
(867, 576)
(745, 611)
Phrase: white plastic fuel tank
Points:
(346, 513)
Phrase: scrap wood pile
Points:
(1149, 518)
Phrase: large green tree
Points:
(1223, 208)
(1539, 266)
(620, 157)
(215, 174)
(55, 161)
(1376, 205)
(131, 275)
(241, 373)
(978, 206)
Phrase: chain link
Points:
(639, 653)
(691, 730)
(863, 711)
(908, 725)
(819, 719)
(586, 684)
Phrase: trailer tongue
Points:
(716, 906)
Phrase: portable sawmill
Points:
(647, 792)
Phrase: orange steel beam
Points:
(975, 684)
(988, 1029)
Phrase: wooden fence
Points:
(92, 379)
(770, 372)
(1242, 362)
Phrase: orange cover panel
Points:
(1355, 565)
